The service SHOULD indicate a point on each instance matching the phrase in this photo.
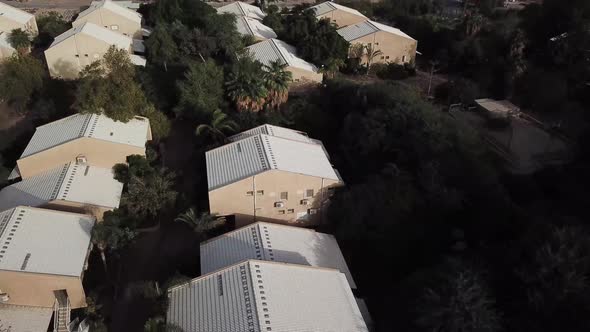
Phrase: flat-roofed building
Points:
(240, 9)
(113, 16)
(70, 187)
(274, 50)
(273, 174)
(340, 15)
(91, 139)
(273, 242)
(260, 296)
(251, 27)
(13, 18)
(395, 45)
(82, 45)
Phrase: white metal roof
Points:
(17, 318)
(44, 241)
(127, 4)
(100, 33)
(251, 27)
(256, 296)
(239, 8)
(362, 29)
(259, 153)
(271, 50)
(135, 132)
(277, 131)
(328, 6)
(84, 184)
(14, 14)
(138, 60)
(112, 6)
(274, 242)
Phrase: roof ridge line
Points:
(278, 50)
(248, 24)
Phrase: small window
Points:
(382, 57)
(259, 192)
(404, 58)
(387, 57)
(312, 211)
(284, 195)
(376, 43)
(86, 55)
(309, 193)
(281, 211)
(249, 193)
(291, 211)
(77, 55)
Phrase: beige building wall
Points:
(68, 58)
(98, 153)
(395, 48)
(7, 25)
(302, 75)
(342, 18)
(112, 21)
(253, 199)
(35, 289)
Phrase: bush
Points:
(393, 71)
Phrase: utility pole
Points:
(433, 70)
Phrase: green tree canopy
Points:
(201, 93)
(50, 26)
(20, 40)
(22, 78)
(246, 86)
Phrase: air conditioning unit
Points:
(312, 211)
(305, 202)
(80, 160)
(279, 204)
(4, 297)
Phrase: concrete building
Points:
(272, 174)
(71, 187)
(251, 27)
(6, 50)
(276, 50)
(42, 262)
(90, 139)
(241, 9)
(84, 44)
(340, 15)
(13, 18)
(273, 242)
(260, 296)
(396, 46)
(113, 16)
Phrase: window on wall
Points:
(284, 195)
(259, 192)
(387, 57)
(249, 193)
(281, 211)
(382, 57)
(291, 211)
(309, 193)
(404, 58)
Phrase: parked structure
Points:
(71, 187)
(110, 15)
(270, 173)
(42, 262)
(395, 46)
(273, 242)
(340, 15)
(91, 139)
(276, 50)
(250, 27)
(240, 9)
(266, 296)
(13, 18)
(84, 44)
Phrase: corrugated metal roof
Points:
(255, 154)
(17, 318)
(44, 241)
(112, 6)
(81, 184)
(251, 27)
(256, 296)
(127, 4)
(328, 6)
(277, 131)
(239, 8)
(92, 30)
(135, 132)
(274, 242)
(272, 50)
(362, 29)
(14, 14)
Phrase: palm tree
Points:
(110, 236)
(277, 81)
(20, 40)
(220, 125)
(246, 87)
(331, 67)
(146, 196)
(200, 223)
(371, 53)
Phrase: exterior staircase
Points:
(61, 312)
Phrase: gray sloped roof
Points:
(271, 130)
(272, 50)
(239, 8)
(355, 31)
(273, 242)
(259, 153)
(251, 27)
(328, 6)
